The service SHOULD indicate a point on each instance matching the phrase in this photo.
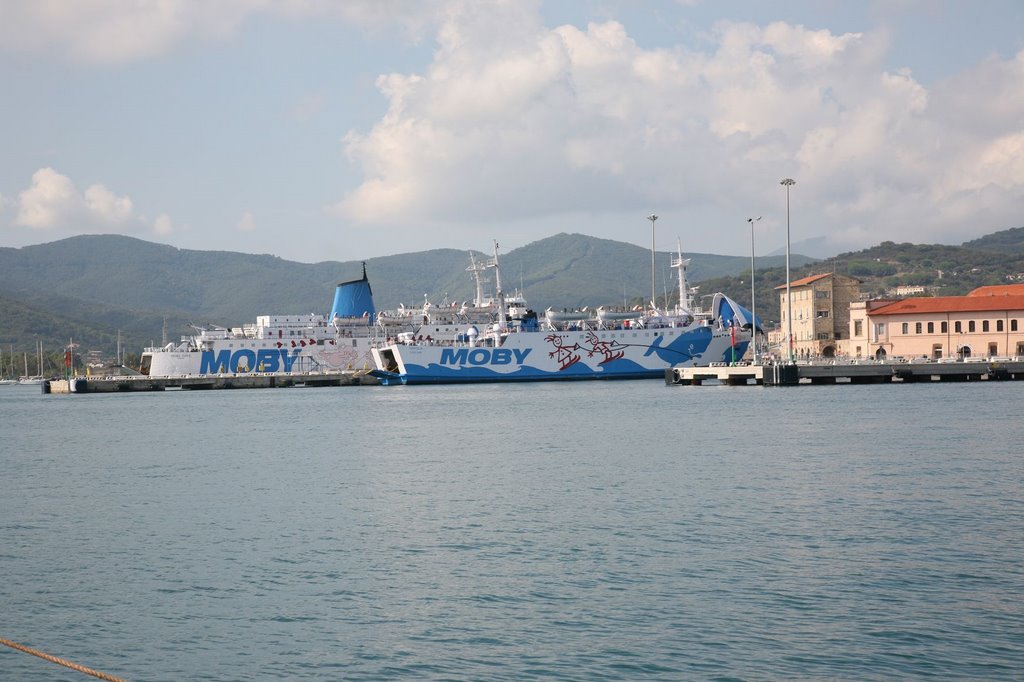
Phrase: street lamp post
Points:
(788, 182)
(753, 302)
(652, 218)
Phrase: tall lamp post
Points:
(652, 218)
(753, 302)
(788, 182)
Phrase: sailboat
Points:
(4, 380)
(38, 378)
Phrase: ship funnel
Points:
(354, 299)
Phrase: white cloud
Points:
(162, 225)
(114, 31)
(52, 202)
(519, 120)
(246, 223)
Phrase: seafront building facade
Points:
(988, 322)
(821, 314)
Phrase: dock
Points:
(136, 383)
(839, 372)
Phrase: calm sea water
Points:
(622, 530)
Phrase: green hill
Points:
(1004, 241)
(91, 286)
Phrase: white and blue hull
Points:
(560, 356)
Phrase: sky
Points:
(322, 130)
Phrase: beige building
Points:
(821, 314)
(988, 322)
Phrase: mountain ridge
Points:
(92, 285)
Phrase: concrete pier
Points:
(867, 372)
(129, 384)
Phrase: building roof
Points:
(805, 280)
(999, 290)
(951, 304)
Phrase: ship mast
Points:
(476, 270)
(502, 319)
(685, 301)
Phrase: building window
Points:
(970, 326)
(999, 325)
(931, 327)
(821, 294)
(944, 327)
(822, 313)
(906, 328)
(858, 329)
(1013, 325)
(957, 327)
(917, 327)
(984, 325)
(880, 330)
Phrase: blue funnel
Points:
(354, 299)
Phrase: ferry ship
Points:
(604, 344)
(338, 342)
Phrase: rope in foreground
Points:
(61, 661)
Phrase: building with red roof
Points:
(821, 314)
(987, 322)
